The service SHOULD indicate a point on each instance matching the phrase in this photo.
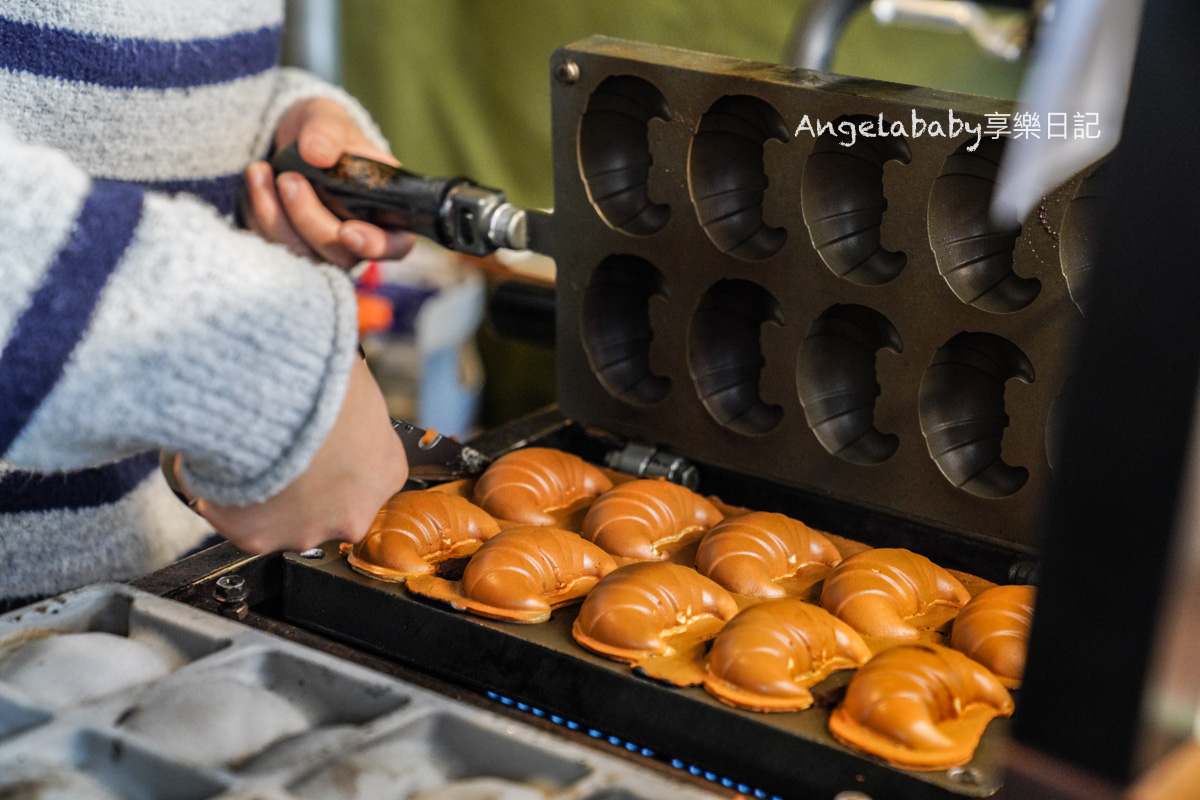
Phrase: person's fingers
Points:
(369, 242)
(267, 217)
(324, 133)
(312, 221)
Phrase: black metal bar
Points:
(1109, 527)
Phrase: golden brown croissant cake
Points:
(877, 591)
(920, 706)
(993, 629)
(748, 553)
(522, 574)
(635, 519)
(524, 485)
(631, 613)
(416, 530)
(770, 655)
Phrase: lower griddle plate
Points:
(791, 755)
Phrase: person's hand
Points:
(284, 208)
(358, 467)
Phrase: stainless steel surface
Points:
(227, 711)
(1006, 37)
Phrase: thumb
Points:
(324, 133)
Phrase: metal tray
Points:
(111, 692)
(541, 667)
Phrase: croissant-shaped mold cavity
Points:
(878, 591)
(416, 530)
(726, 176)
(614, 153)
(770, 655)
(615, 321)
(748, 553)
(630, 614)
(636, 519)
(961, 407)
(841, 196)
(835, 378)
(919, 706)
(1077, 241)
(725, 355)
(993, 629)
(974, 255)
(525, 485)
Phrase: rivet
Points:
(567, 72)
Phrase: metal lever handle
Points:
(454, 212)
(1006, 38)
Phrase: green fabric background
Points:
(462, 87)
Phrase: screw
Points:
(316, 552)
(231, 593)
(968, 776)
(567, 72)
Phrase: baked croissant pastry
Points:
(878, 591)
(524, 485)
(748, 553)
(632, 612)
(416, 530)
(770, 655)
(920, 706)
(993, 629)
(638, 518)
(522, 574)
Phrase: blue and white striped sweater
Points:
(132, 316)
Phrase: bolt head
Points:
(230, 589)
(567, 72)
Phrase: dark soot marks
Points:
(614, 153)
(725, 354)
(835, 378)
(726, 176)
(1078, 238)
(615, 323)
(974, 255)
(962, 411)
(842, 199)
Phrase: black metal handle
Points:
(379, 193)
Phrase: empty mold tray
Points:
(183, 705)
(743, 282)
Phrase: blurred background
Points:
(462, 87)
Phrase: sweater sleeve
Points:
(131, 321)
(294, 85)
